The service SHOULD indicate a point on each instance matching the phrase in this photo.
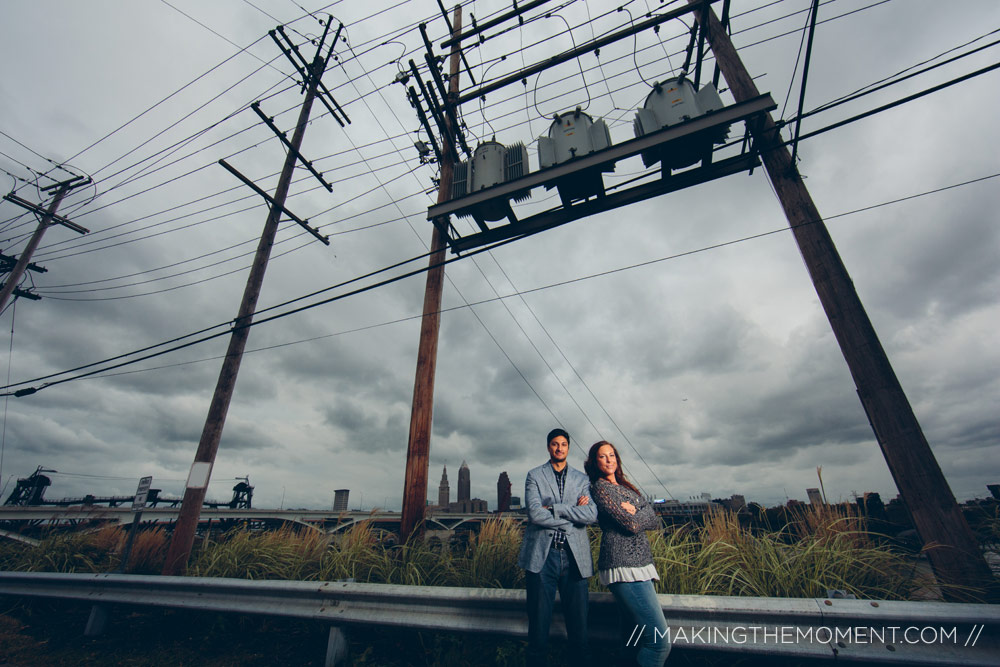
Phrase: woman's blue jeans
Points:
(646, 627)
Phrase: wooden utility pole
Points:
(44, 223)
(953, 550)
(201, 470)
(422, 412)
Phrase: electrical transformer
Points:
(492, 163)
(672, 102)
(575, 134)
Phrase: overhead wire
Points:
(223, 37)
(879, 3)
(472, 310)
(223, 274)
(521, 292)
(52, 294)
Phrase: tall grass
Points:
(98, 551)
(359, 555)
(279, 554)
(821, 548)
(491, 557)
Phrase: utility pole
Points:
(952, 548)
(182, 538)
(48, 218)
(422, 412)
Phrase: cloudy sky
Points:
(685, 329)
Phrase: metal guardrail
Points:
(17, 537)
(859, 631)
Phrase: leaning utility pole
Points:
(47, 219)
(422, 412)
(953, 550)
(182, 538)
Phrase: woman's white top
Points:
(618, 575)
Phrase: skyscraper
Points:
(340, 499)
(503, 493)
(464, 483)
(444, 491)
(814, 497)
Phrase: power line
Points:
(373, 91)
(885, 107)
(412, 273)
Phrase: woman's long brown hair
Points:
(590, 466)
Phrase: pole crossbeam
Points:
(271, 200)
(47, 217)
(560, 216)
(435, 110)
(451, 30)
(479, 28)
(50, 217)
(571, 54)
(725, 116)
(283, 137)
(7, 263)
(447, 96)
(309, 72)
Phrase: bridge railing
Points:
(859, 631)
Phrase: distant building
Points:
(679, 508)
(444, 492)
(503, 493)
(814, 497)
(471, 506)
(340, 499)
(734, 503)
(515, 503)
(464, 483)
(871, 505)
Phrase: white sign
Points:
(198, 477)
(140, 493)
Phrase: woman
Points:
(625, 564)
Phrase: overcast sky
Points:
(716, 365)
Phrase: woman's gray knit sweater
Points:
(623, 542)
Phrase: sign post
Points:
(138, 504)
(98, 620)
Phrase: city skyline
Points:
(685, 329)
(340, 497)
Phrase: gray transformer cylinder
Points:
(571, 135)
(491, 164)
(672, 102)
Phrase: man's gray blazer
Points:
(540, 490)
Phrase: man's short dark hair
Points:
(554, 433)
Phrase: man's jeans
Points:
(559, 572)
(646, 628)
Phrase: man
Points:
(555, 552)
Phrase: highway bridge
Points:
(31, 520)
